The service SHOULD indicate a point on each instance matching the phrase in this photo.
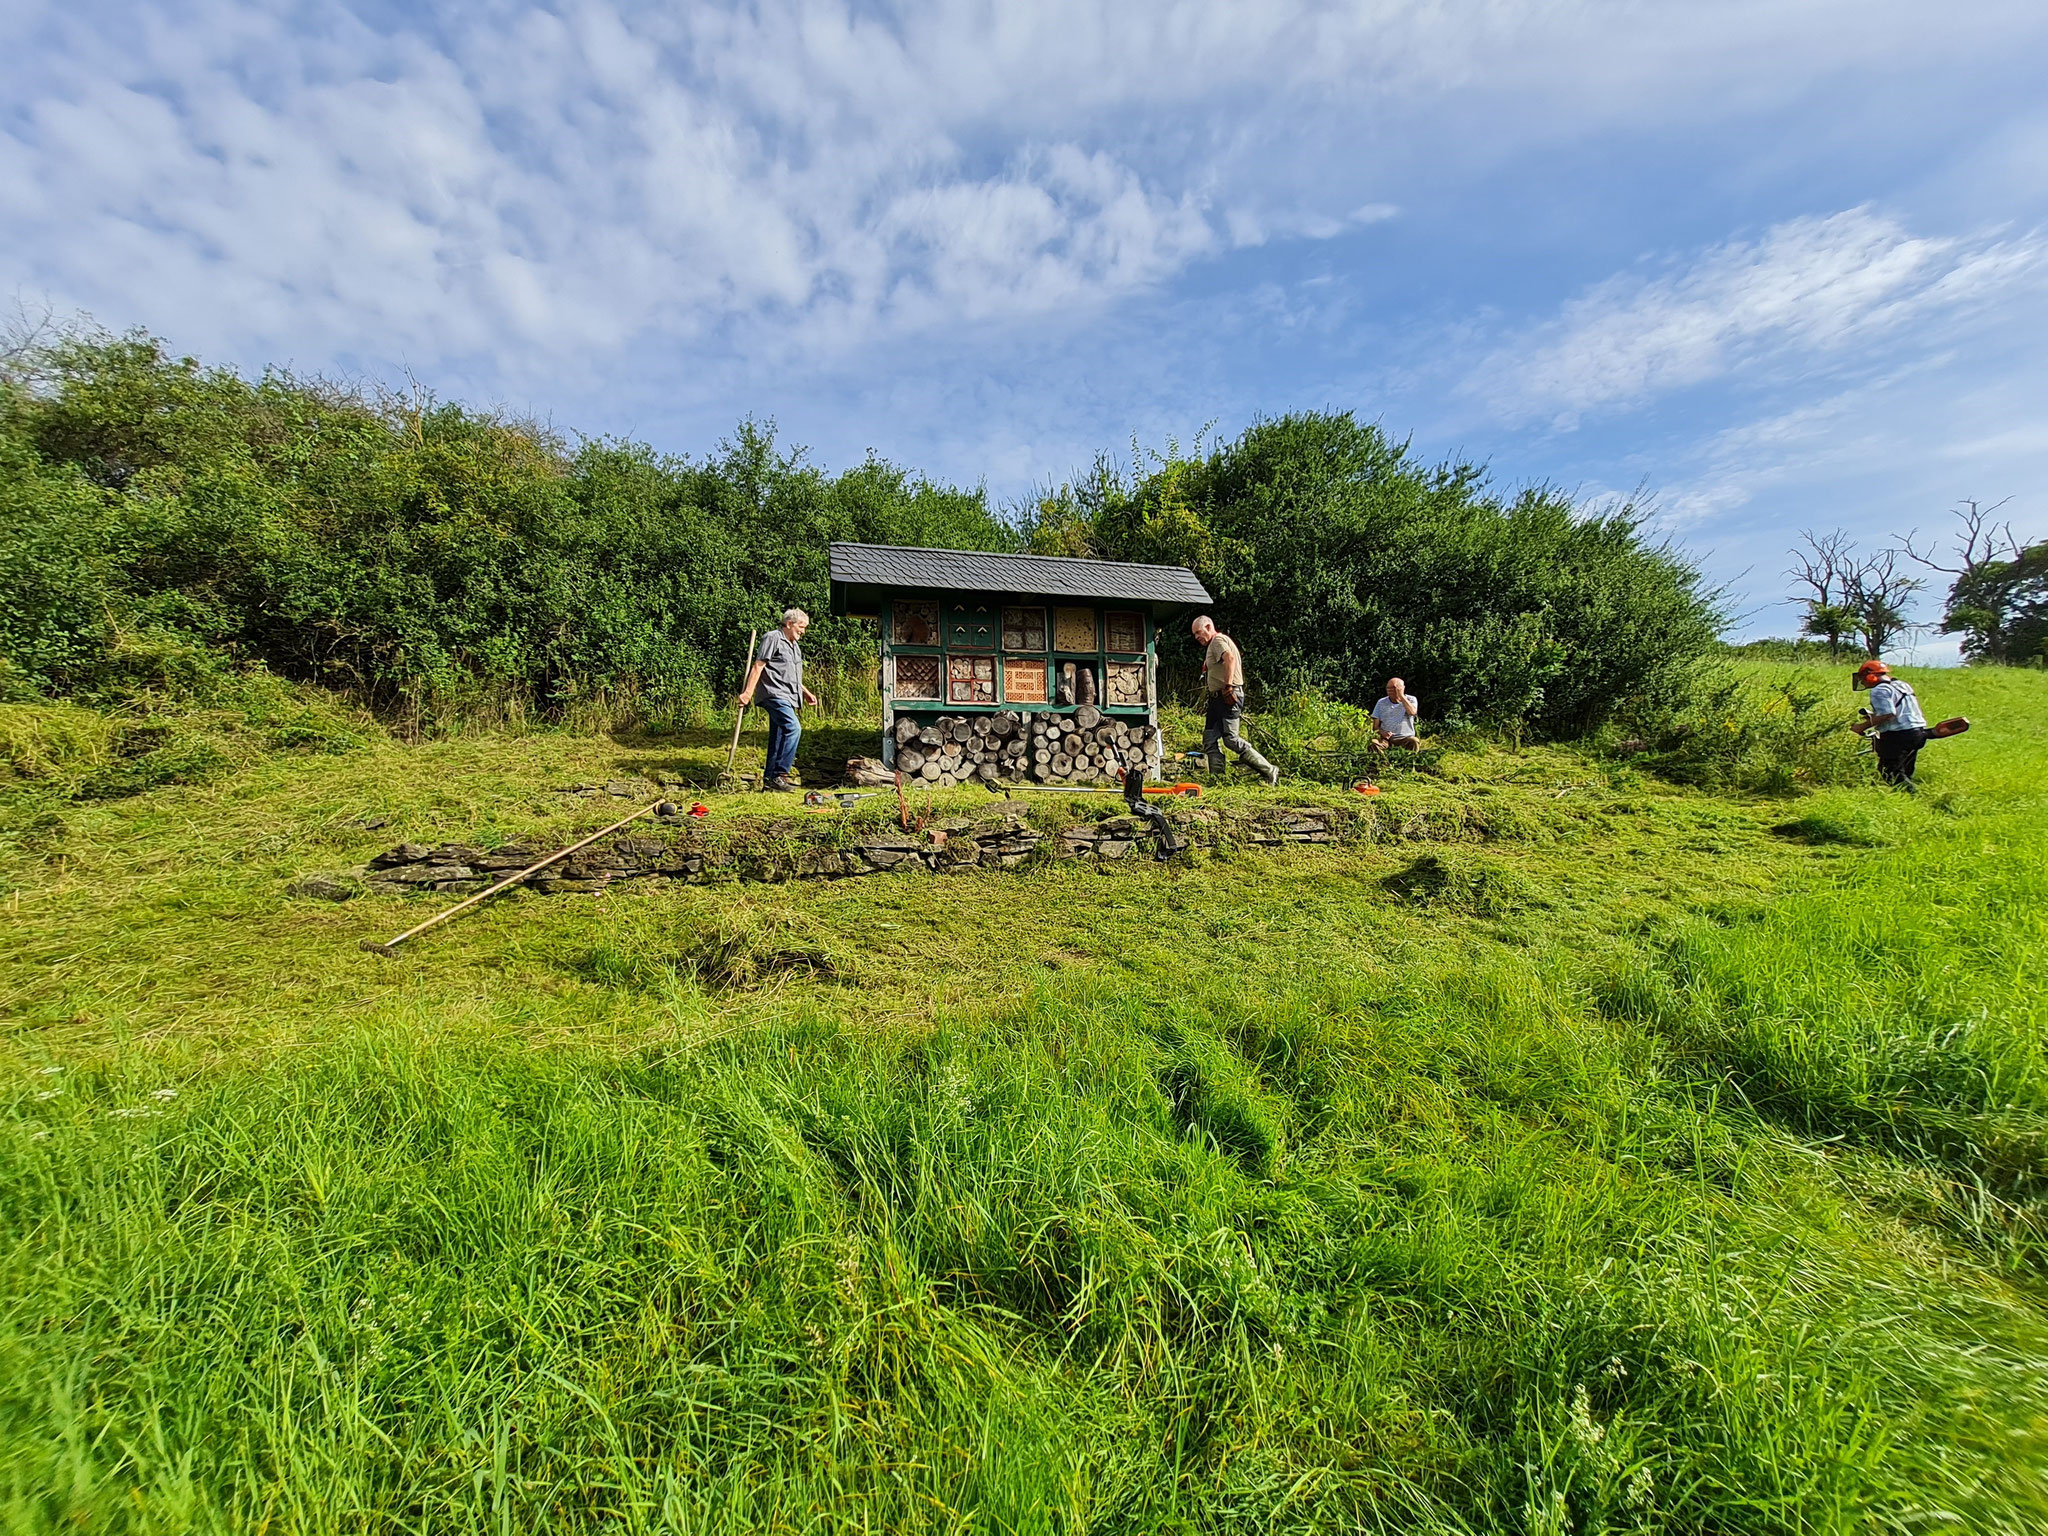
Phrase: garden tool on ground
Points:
(1135, 790)
(839, 797)
(659, 807)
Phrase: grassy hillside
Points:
(1585, 1153)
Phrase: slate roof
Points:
(961, 570)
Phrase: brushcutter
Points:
(1941, 730)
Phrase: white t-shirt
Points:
(1394, 718)
(1895, 698)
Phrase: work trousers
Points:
(1897, 751)
(1219, 725)
(784, 731)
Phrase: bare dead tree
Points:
(1994, 576)
(27, 332)
(1826, 567)
(1880, 592)
(1979, 542)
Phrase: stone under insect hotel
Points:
(1001, 667)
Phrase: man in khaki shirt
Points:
(1223, 673)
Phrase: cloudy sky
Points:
(1781, 263)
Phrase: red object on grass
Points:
(1365, 789)
(700, 810)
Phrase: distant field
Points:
(1587, 1154)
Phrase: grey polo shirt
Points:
(782, 667)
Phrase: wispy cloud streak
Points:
(1809, 292)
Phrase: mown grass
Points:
(1583, 1153)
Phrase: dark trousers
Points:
(784, 731)
(1219, 727)
(1897, 752)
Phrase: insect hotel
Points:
(1007, 667)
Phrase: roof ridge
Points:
(989, 570)
(1001, 554)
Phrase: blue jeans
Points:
(783, 734)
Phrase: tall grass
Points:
(1656, 1161)
(1090, 1265)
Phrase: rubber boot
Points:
(1265, 770)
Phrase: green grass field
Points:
(1584, 1153)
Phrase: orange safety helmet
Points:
(1871, 672)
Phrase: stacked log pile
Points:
(1084, 746)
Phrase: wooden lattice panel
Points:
(971, 627)
(1023, 629)
(1073, 629)
(915, 623)
(1126, 631)
(1023, 681)
(917, 677)
(1124, 684)
(970, 679)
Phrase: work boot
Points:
(1261, 767)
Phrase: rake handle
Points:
(435, 921)
(732, 753)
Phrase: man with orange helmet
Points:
(1894, 721)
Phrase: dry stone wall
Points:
(823, 849)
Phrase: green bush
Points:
(1734, 727)
(432, 562)
(1337, 560)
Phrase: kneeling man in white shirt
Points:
(1393, 718)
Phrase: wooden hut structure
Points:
(1000, 666)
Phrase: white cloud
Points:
(1809, 289)
(538, 187)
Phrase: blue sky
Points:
(1780, 264)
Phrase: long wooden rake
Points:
(390, 947)
(725, 779)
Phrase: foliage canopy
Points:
(1338, 560)
(438, 563)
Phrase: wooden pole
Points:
(554, 858)
(734, 750)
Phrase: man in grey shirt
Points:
(778, 672)
(1393, 718)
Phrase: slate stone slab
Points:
(323, 888)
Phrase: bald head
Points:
(1203, 629)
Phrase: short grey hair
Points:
(795, 616)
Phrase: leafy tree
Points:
(1998, 599)
(427, 559)
(436, 562)
(1337, 560)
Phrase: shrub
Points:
(433, 562)
(1337, 560)
(1737, 727)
